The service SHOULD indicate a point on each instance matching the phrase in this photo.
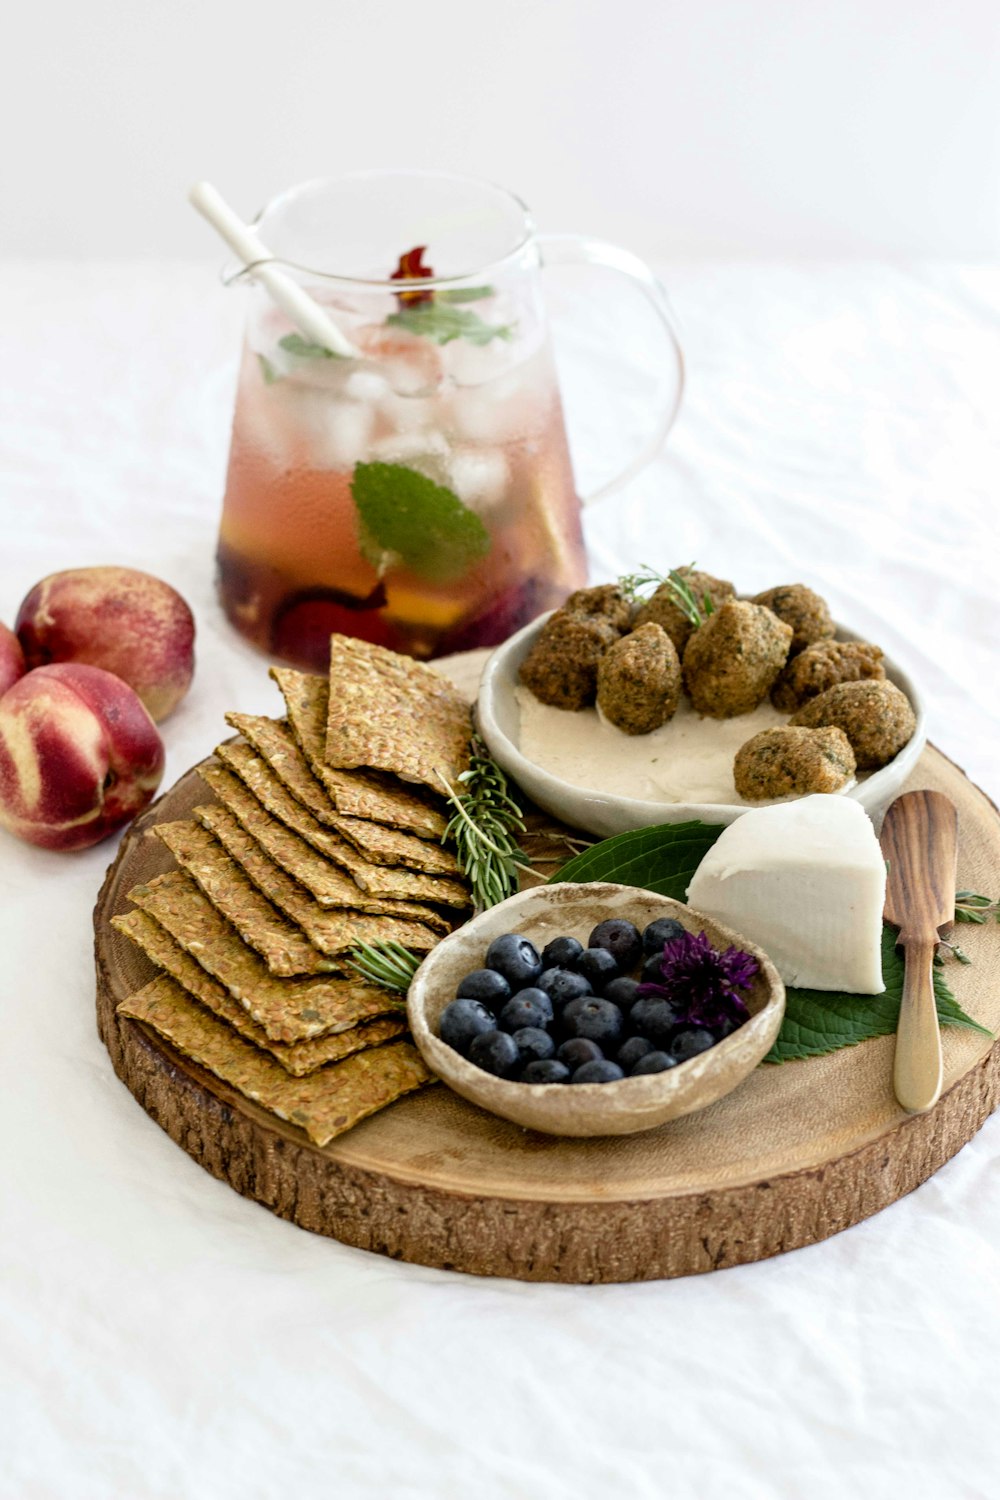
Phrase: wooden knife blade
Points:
(919, 840)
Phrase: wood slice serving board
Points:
(795, 1154)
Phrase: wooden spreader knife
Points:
(919, 840)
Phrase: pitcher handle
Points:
(579, 249)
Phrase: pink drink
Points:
(420, 496)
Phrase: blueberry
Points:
(598, 965)
(624, 992)
(725, 1027)
(533, 1044)
(515, 958)
(527, 1008)
(602, 1071)
(629, 1052)
(495, 1052)
(485, 985)
(546, 1070)
(652, 968)
(598, 1021)
(462, 1021)
(620, 938)
(654, 1017)
(653, 1062)
(691, 1041)
(561, 953)
(570, 1011)
(663, 930)
(562, 985)
(579, 1050)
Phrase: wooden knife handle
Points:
(917, 1068)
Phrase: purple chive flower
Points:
(703, 982)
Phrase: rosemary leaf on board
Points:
(485, 829)
(387, 963)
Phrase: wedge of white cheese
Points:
(805, 881)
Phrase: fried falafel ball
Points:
(822, 666)
(731, 661)
(876, 717)
(804, 611)
(606, 600)
(639, 680)
(561, 667)
(662, 607)
(789, 762)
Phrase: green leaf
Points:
(443, 322)
(423, 523)
(294, 343)
(821, 1021)
(268, 370)
(662, 859)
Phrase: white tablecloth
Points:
(161, 1337)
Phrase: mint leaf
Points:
(268, 370)
(820, 1021)
(294, 343)
(664, 859)
(442, 322)
(425, 524)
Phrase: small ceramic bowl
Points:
(603, 814)
(589, 1109)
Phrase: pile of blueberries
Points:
(572, 1014)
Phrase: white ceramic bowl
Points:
(589, 1109)
(603, 814)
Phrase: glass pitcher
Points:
(416, 492)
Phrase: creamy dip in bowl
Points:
(592, 776)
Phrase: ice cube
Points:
(340, 433)
(480, 415)
(479, 477)
(411, 365)
(366, 385)
(410, 413)
(472, 364)
(404, 447)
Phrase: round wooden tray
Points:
(795, 1154)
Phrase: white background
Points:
(679, 127)
(162, 1338)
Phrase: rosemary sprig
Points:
(386, 963)
(697, 612)
(633, 584)
(970, 907)
(484, 828)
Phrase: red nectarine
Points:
(127, 622)
(79, 756)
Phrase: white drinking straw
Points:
(307, 315)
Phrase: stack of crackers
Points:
(319, 831)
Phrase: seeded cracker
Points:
(329, 882)
(242, 882)
(389, 713)
(334, 930)
(324, 1105)
(268, 780)
(289, 1010)
(354, 793)
(284, 947)
(297, 1058)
